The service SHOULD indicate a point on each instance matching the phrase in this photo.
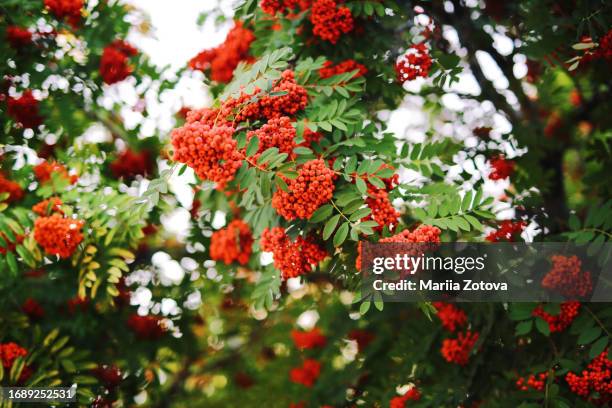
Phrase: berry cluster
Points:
(232, 243)
(501, 168)
(307, 374)
(278, 132)
(383, 211)
(596, 378)
(292, 258)
(532, 382)
(602, 51)
(413, 394)
(458, 350)
(222, 60)
(567, 278)
(558, 323)
(110, 375)
(33, 309)
(24, 110)
(66, 9)
(48, 207)
(148, 327)
(13, 189)
(9, 352)
(329, 21)
(507, 231)
(349, 65)
(10, 245)
(416, 62)
(45, 170)
(308, 339)
(18, 36)
(295, 99)
(57, 235)
(313, 187)
(114, 63)
(450, 316)
(209, 150)
(272, 7)
(130, 164)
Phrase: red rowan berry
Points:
(450, 315)
(557, 323)
(232, 243)
(33, 309)
(48, 206)
(308, 339)
(24, 110)
(567, 278)
(295, 99)
(383, 211)
(278, 132)
(210, 151)
(223, 60)
(45, 170)
(413, 394)
(329, 69)
(110, 375)
(415, 63)
(458, 350)
(114, 63)
(292, 258)
(9, 352)
(18, 37)
(66, 9)
(313, 187)
(307, 374)
(148, 327)
(501, 168)
(57, 235)
(130, 164)
(535, 382)
(14, 190)
(330, 21)
(595, 382)
(507, 231)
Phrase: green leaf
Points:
(474, 221)
(253, 146)
(598, 347)
(361, 185)
(523, 327)
(330, 226)
(302, 151)
(364, 307)
(341, 234)
(542, 326)
(321, 213)
(589, 335)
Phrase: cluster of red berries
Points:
(295, 99)
(532, 382)
(232, 244)
(9, 352)
(18, 36)
(48, 206)
(14, 190)
(57, 235)
(349, 65)
(33, 309)
(24, 110)
(330, 22)
(110, 375)
(313, 187)
(148, 327)
(209, 150)
(558, 323)
(66, 9)
(416, 62)
(413, 394)
(383, 211)
(307, 374)
(308, 339)
(508, 231)
(310, 137)
(567, 278)
(602, 51)
(292, 258)
(223, 60)
(458, 350)
(278, 132)
(501, 168)
(272, 7)
(45, 170)
(450, 316)
(130, 164)
(114, 63)
(596, 378)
